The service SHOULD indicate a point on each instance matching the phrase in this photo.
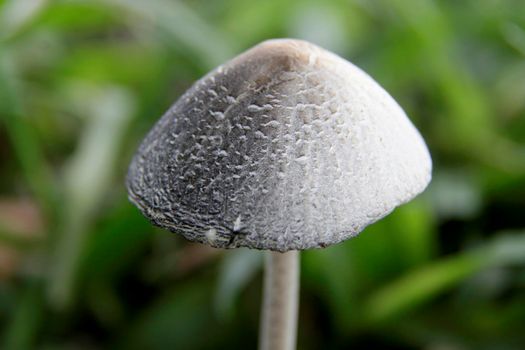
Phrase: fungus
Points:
(285, 147)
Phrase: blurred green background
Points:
(81, 82)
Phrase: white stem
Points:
(280, 301)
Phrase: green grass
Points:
(82, 82)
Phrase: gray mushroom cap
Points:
(285, 147)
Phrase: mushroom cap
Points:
(285, 147)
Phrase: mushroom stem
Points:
(281, 298)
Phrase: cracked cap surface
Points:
(285, 147)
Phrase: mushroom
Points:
(285, 147)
